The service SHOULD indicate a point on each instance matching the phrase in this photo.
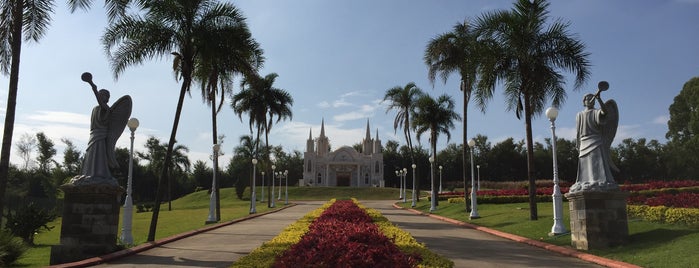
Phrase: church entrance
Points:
(343, 178)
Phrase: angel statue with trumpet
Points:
(596, 129)
(106, 125)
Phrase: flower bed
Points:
(266, 255)
(345, 236)
(680, 200)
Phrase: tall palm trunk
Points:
(409, 140)
(215, 159)
(269, 189)
(464, 144)
(168, 156)
(16, 46)
(530, 158)
(433, 182)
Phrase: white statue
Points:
(106, 125)
(596, 129)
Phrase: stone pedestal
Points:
(598, 219)
(90, 222)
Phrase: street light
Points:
(271, 194)
(212, 200)
(433, 201)
(405, 174)
(558, 226)
(286, 187)
(262, 190)
(253, 198)
(126, 235)
(414, 193)
(400, 182)
(440, 178)
(279, 196)
(479, 176)
(474, 203)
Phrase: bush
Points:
(29, 221)
(11, 248)
(662, 214)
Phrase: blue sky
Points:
(338, 58)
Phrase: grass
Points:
(650, 244)
(188, 213)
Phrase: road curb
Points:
(149, 245)
(561, 250)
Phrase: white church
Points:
(344, 166)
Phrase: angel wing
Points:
(119, 116)
(609, 129)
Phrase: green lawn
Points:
(650, 245)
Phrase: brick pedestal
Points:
(598, 219)
(90, 222)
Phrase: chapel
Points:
(344, 166)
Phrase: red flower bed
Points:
(658, 185)
(681, 200)
(345, 236)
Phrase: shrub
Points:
(662, 214)
(29, 221)
(11, 248)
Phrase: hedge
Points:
(662, 214)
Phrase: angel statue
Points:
(106, 125)
(596, 130)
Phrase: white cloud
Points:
(661, 120)
(324, 104)
(354, 115)
(341, 103)
(60, 117)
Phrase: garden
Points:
(663, 218)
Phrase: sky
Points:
(338, 58)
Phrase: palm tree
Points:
(403, 99)
(259, 98)
(32, 19)
(178, 27)
(436, 116)
(155, 154)
(527, 55)
(456, 51)
(236, 52)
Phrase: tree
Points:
(46, 152)
(177, 27)
(527, 55)
(683, 125)
(639, 160)
(235, 52)
(403, 99)
(436, 116)
(456, 51)
(260, 99)
(71, 158)
(24, 147)
(155, 152)
(17, 18)
(683, 132)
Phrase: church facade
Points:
(344, 166)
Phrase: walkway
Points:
(465, 246)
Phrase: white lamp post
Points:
(212, 200)
(405, 175)
(253, 198)
(126, 235)
(558, 226)
(440, 178)
(400, 182)
(271, 195)
(286, 187)
(433, 200)
(414, 193)
(279, 196)
(479, 176)
(474, 203)
(262, 190)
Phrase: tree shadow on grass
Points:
(656, 236)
